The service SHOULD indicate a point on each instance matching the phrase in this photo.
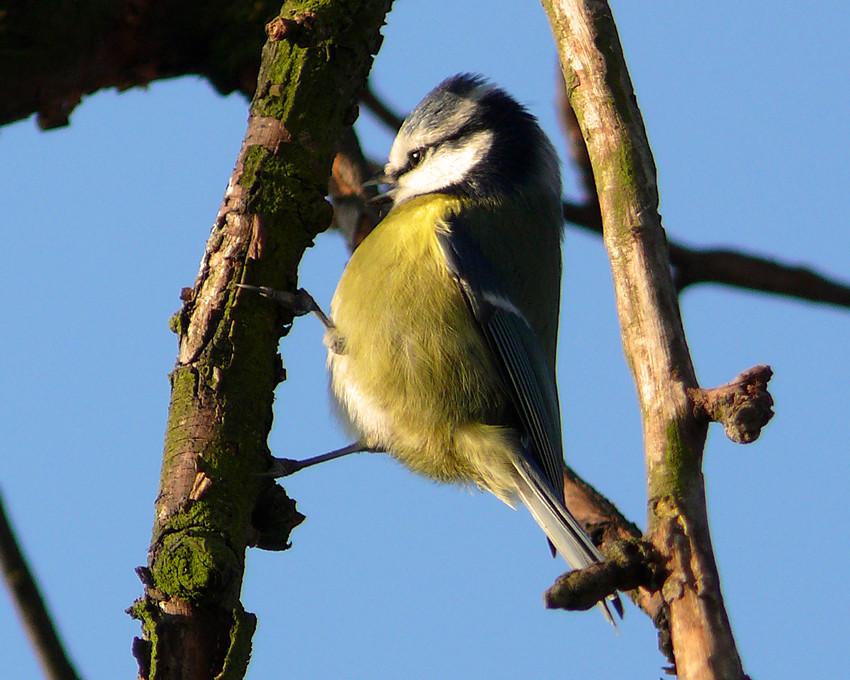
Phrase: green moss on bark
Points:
(679, 469)
(239, 652)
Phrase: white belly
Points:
(367, 419)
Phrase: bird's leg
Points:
(283, 467)
(301, 303)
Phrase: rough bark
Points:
(211, 504)
(600, 93)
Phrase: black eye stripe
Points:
(416, 156)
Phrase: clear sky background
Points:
(392, 576)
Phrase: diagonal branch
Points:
(606, 525)
(210, 506)
(730, 267)
(31, 606)
(380, 109)
(753, 272)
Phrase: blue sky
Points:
(392, 576)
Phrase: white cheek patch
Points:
(397, 157)
(443, 168)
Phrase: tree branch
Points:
(628, 565)
(754, 272)
(210, 505)
(31, 606)
(578, 152)
(730, 267)
(602, 97)
(607, 526)
(355, 215)
(380, 109)
(55, 53)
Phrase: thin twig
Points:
(753, 272)
(31, 606)
(381, 111)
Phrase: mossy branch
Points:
(210, 505)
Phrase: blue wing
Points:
(531, 382)
(514, 344)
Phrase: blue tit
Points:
(444, 325)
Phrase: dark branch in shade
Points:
(31, 606)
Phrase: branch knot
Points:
(297, 30)
(743, 406)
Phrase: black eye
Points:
(414, 158)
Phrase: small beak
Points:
(380, 178)
(377, 180)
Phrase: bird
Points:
(442, 332)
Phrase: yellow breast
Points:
(414, 366)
